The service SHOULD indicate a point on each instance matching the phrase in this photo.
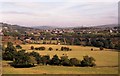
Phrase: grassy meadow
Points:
(106, 61)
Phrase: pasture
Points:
(107, 57)
(106, 61)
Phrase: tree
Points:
(45, 59)
(18, 47)
(10, 52)
(74, 62)
(100, 44)
(55, 60)
(111, 46)
(117, 46)
(40, 48)
(50, 48)
(65, 61)
(101, 48)
(56, 49)
(106, 44)
(22, 59)
(88, 43)
(62, 48)
(32, 60)
(77, 41)
(3, 48)
(65, 49)
(37, 56)
(32, 47)
(88, 61)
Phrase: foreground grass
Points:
(61, 70)
(107, 58)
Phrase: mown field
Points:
(106, 60)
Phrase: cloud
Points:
(60, 13)
(59, 0)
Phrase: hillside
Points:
(106, 26)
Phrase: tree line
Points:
(96, 42)
(50, 48)
(22, 58)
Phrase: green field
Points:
(60, 70)
(106, 60)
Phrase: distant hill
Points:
(106, 26)
(21, 28)
(15, 27)
(44, 27)
(52, 27)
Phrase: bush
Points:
(36, 48)
(65, 49)
(101, 48)
(37, 57)
(40, 48)
(44, 42)
(9, 52)
(50, 48)
(32, 47)
(55, 60)
(65, 61)
(23, 59)
(70, 49)
(112, 46)
(117, 46)
(32, 60)
(91, 49)
(74, 62)
(88, 61)
(45, 59)
(18, 47)
(56, 49)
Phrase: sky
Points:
(59, 13)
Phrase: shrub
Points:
(55, 60)
(70, 49)
(56, 49)
(18, 47)
(65, 49)
(88, 61)
(117, 46)
(2, 47)
(37, 56)
(65, 61)
(45, 59)
(91, 49)
(32, 60)
(44, 42)
(74, 62)
(40, 48)
(101, 48)
(112, 46)
(32, 47)
(23, 59)
(50, 48)
(9, 52)
(36, 48)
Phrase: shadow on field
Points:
(21, 66)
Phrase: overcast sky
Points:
(61, 13)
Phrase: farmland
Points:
(60, 70)
(106, 61)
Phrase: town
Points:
(84, 36)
